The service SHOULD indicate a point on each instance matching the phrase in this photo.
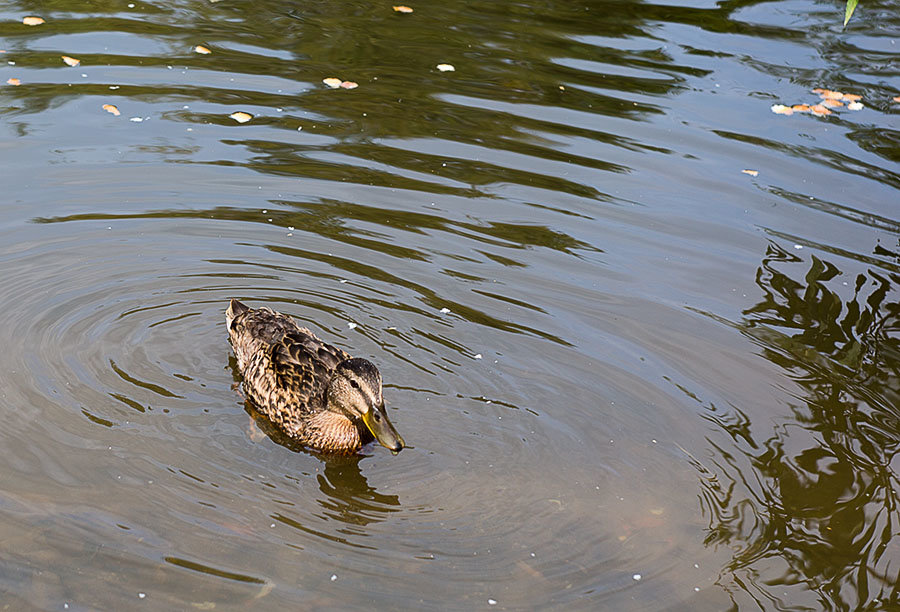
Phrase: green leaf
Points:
(848, 12)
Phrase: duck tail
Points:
(235, 308)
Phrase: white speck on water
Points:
(798, 246)
(272, 525)
(478, 356)
(83, 75)
(108, 227)
(142, 595)
(492, 602)
(131, 5)
(351, 325)
(290, 228)
(65, 606)
(113, 87)
(265, 211)
(136, 119)
(532, 554)
(333, 577)
(696, 589)
(343, 280)
(654, 441)
(636, 577)
(445, 310)
(696, 566)
(289, 234)
(299, 128)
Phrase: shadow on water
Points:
(348, 498)
(347, 495)
(811, 508)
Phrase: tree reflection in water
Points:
(811, 511)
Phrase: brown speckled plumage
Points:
(313, 392)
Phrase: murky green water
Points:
(632, 376)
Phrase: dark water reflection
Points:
(577, 300)
(810, 506)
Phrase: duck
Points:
(313, 392)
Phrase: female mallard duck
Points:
(312, 391)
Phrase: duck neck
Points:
(330, 431)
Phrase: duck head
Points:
(355, 392)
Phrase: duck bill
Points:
(382, 429)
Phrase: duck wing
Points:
(303, 366)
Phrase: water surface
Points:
(631, 376)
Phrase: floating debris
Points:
(241, 117)
(445, 310)
(351, 325)
(13, 81)
(445, 67)
(830, 99)
(492, 602)
(136, 119)
(202, 50)
(109, 108)
(349, 85)
(71, 61)
(333, 577)
(636, 577)
(751, 173)
(402, 9)
(333, 82)
(829, 94)
(33, 21)
(478, 356)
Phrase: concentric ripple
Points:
(589, 261)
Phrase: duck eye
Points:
(354, 384)
(377, 416)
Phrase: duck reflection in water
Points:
(347, 495)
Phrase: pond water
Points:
(631, 376)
